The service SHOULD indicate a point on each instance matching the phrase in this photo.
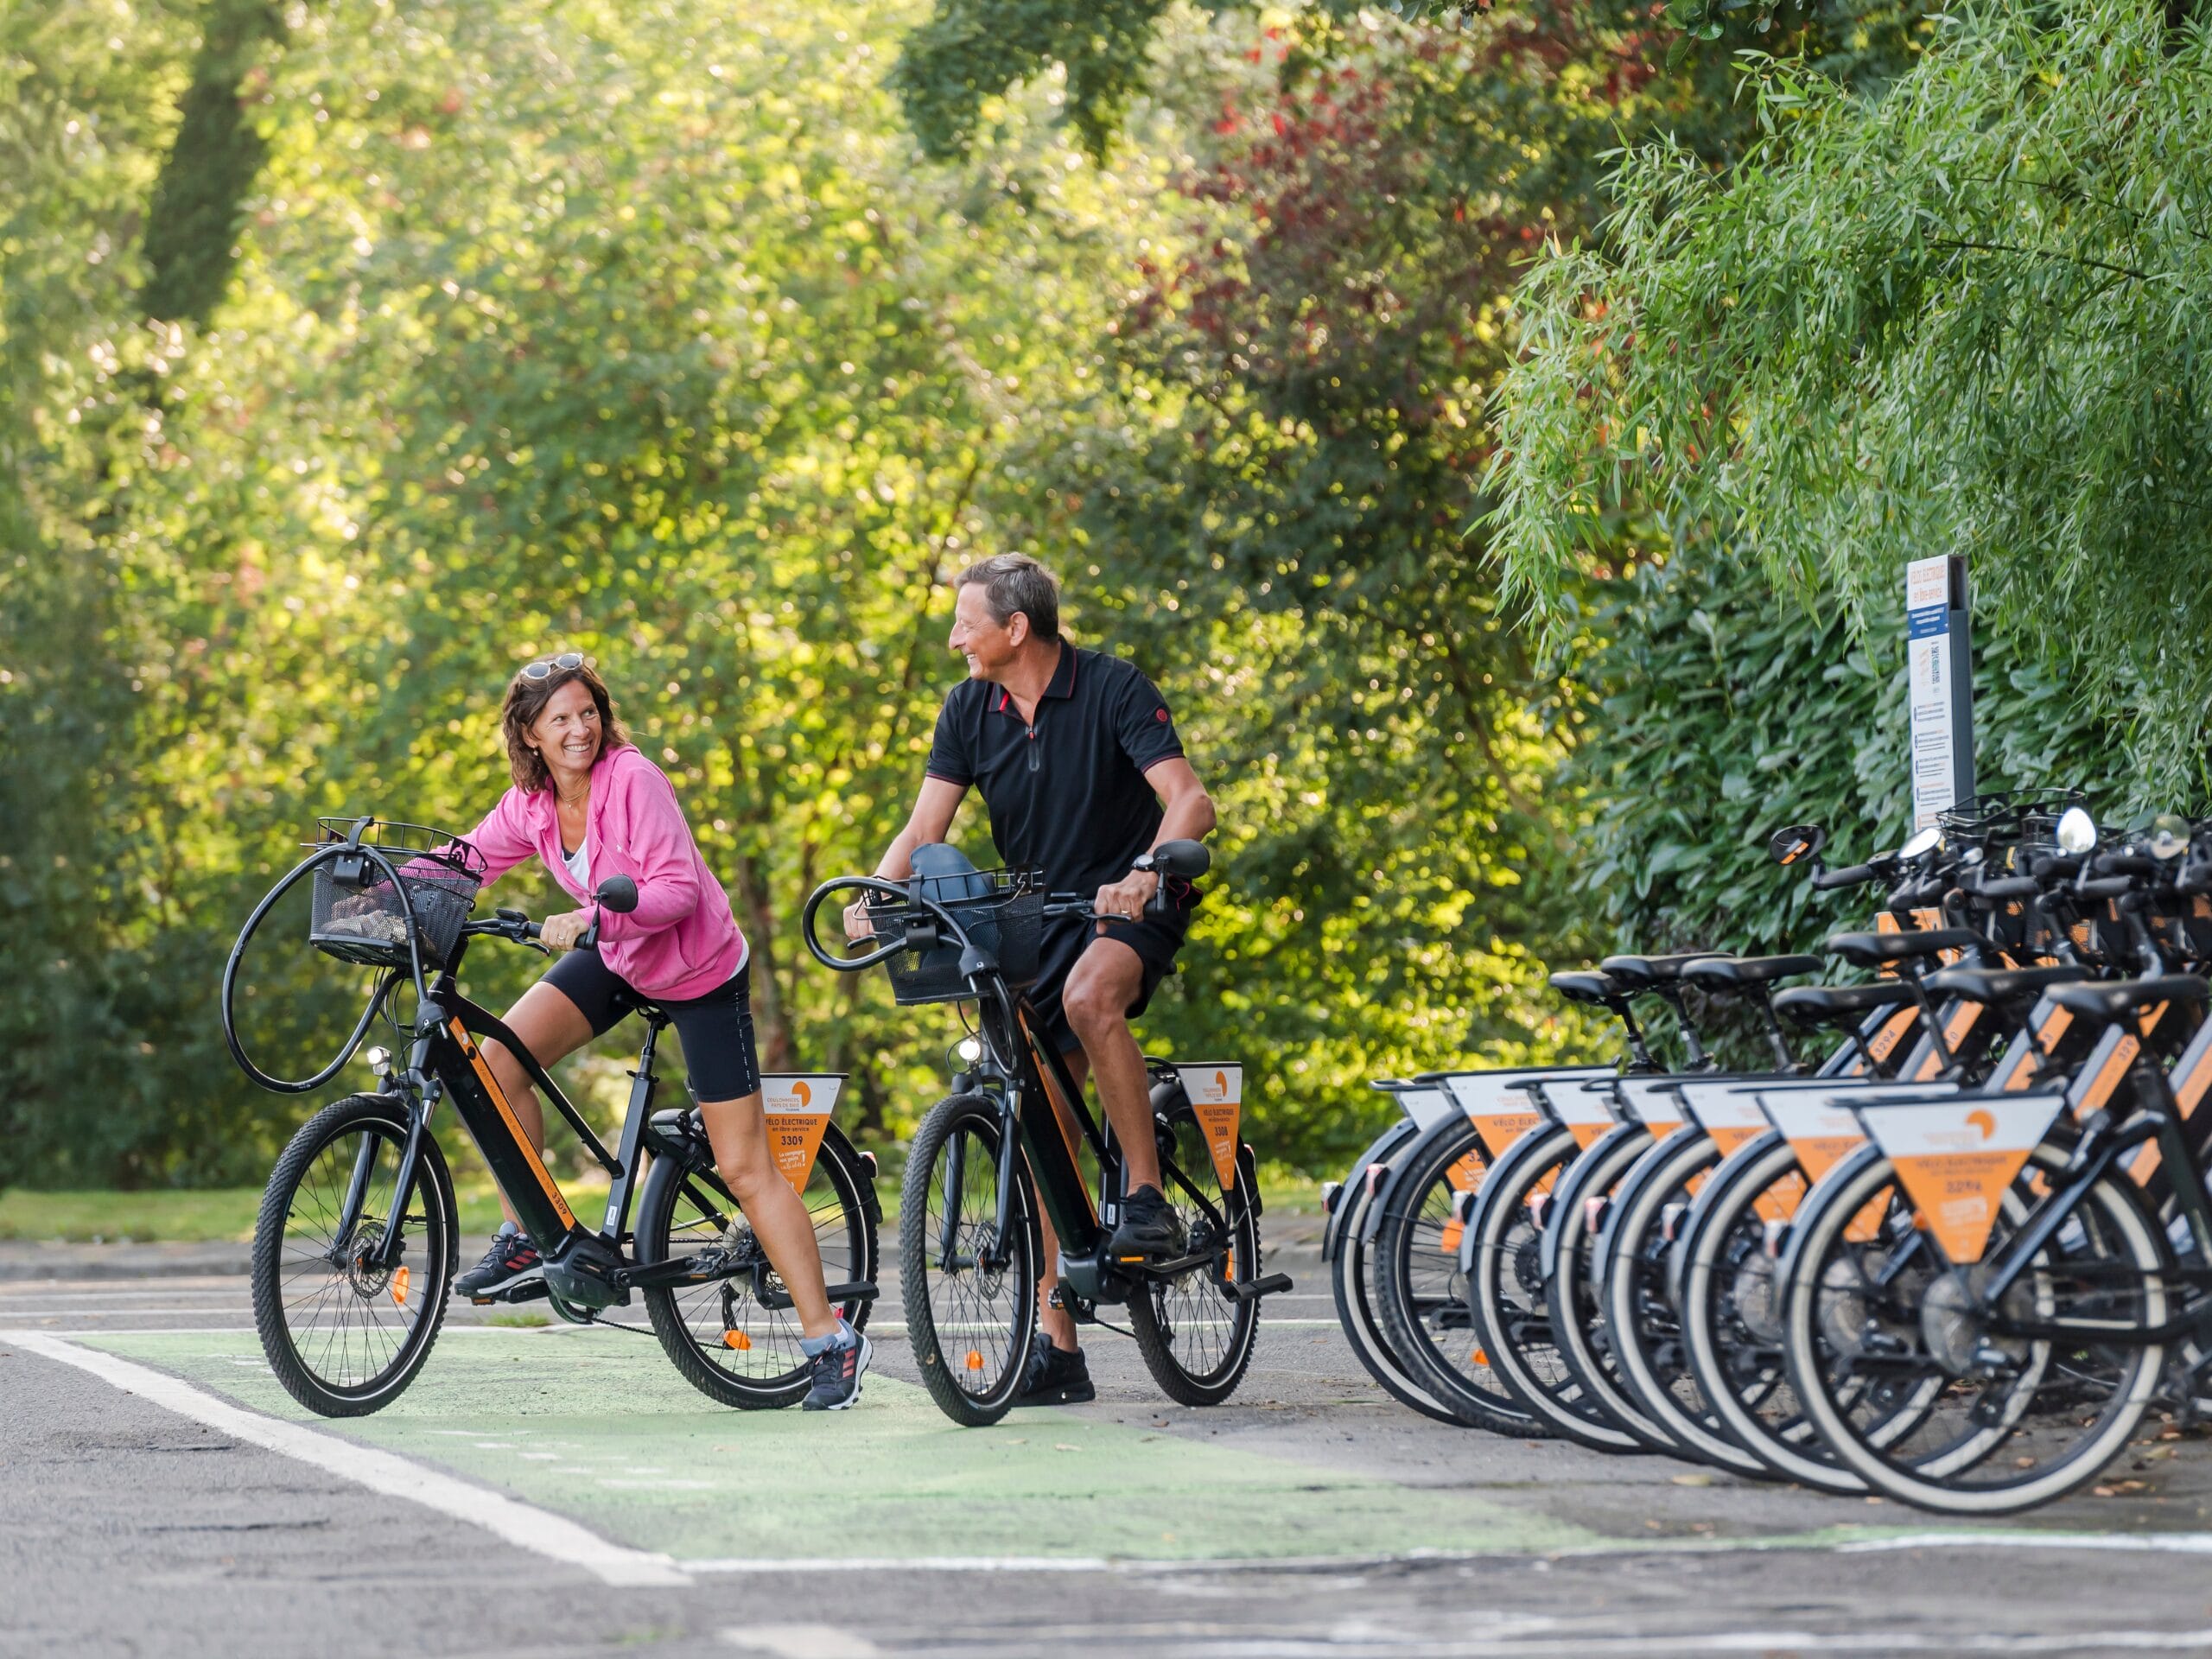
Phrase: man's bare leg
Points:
(1106, 979)
(1057, 1323)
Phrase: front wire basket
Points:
(357, 913)
(1002, 913)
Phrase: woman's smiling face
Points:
(566, 730)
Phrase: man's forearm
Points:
(1187, 817)
(897, 860)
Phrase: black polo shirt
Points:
(1068, 793)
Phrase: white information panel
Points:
(1936, 657)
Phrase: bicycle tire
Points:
(972, 1122)
(1643, 1328)
(1574, 1298)
(354, 1290)
(1162, 1337)
(1421, 1291)
(1743, 1378)
(773, 1372)
(1505, 1295)
(1351, 1278)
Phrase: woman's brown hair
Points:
(527, 700)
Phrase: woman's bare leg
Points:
(738, 1130)
(551, 1027)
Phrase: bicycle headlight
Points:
(379, 1059)
(968, 1050)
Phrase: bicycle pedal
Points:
(529, 1292)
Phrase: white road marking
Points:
(1800, 1642)
(540, 1531)
(2147, 1543)
(803, 1641)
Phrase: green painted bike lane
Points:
(599, 1429)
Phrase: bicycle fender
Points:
(1589, 1177)
(837, 1144)
(1392, 1178)
(1378, 1150)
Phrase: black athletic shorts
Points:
(715, 1030)
(1155, 939)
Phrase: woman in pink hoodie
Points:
(590, 805)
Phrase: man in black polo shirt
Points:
(1079, 764)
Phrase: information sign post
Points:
(1940, 651)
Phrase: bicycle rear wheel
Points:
(1507, 1293)
(735, 1339)
(343, 1333)
(1197, 1339)
(971, 1297)
(2013, 1422)
(1731, 1315)
(1421, 1293)
(1351, 1278)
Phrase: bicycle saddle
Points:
(1737, 973)
(1594, 990)
(1872, 950)
(2002, 984)
(1820, 1005)
(2111, 1001)
(1643, 973)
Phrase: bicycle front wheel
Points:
(345, 1322)
(970, 1294)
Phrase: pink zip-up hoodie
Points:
(681, 941)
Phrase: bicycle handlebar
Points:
(1851, 876)
(881, 953)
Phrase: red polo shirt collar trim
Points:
(1061, 685)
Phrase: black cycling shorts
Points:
(715, 1030)
(1155, 939)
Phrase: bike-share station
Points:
(1928, 1226)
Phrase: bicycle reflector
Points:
(399, 1288)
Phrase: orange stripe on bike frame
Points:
(514, 1124)
(1963, 1019)
(1883, 1042)
(2108, 1076)
(1063, 1115)
(2188, 1094)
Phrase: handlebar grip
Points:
(2109, 887)
(1851, 876)
(2011, 886)
(2126, 864)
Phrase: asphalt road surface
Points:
(556, 1492)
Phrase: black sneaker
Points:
(837, 1372)
(1056, 1377)
(1148, 1227)
(511, 1262)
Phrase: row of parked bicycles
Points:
(1948, 1246)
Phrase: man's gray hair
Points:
(1014, 581)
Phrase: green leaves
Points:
(1969, 316)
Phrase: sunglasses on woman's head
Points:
(546, 668)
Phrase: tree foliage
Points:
(1966, 316)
